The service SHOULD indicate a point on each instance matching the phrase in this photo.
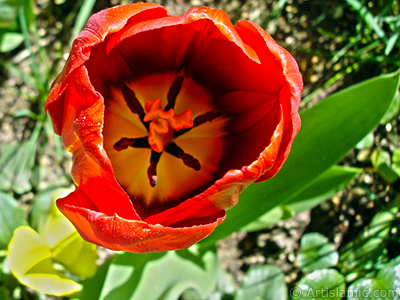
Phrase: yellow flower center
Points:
(164, 140)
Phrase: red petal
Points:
(92, 168)
(200, 32)
(82, 135)
(117, 233)
(290, 94)
(98, 27)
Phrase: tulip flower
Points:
(168, 119)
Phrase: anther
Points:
(187, 159)
(152, 170)
(124, 143)
(173, 92)
(199, 120)
(131, 100)
(134, 104)
(204, 118)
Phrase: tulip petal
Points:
(92, 168)
(207, 41)
(290, 94)
(117, 233)
(98, 27)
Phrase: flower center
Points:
(163, 126)
(165, 139)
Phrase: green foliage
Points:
(367, 251)
(11, 217)
(225, 287)
(367, 142)
(396, 161)
(369, 45)
(11, 35)
(385, 285)
(376, 24)
(153, 276)
(16, 164)
(320, 285)
(382, 163)
(264, 282)
(316, 253)
(30, 260)
(324, 186)
(393, 109)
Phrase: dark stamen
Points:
(124, 143)
(207, 117)
(152, 170)
(199, 120)
(187, 159)
(134, 104)
(173, 92)
(131, 100)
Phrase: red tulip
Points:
(168, 119)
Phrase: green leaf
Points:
(5, 293)
(381, 162)
(17, 162)
(265, 282)
(366, 143)
(11, 217)
(391, 42)
(29, 258)
(393, 109)
(10, 41)
(225, 282)
(152, 276)
(396, 161)
(380, 157)
(329, 131)
(385, 286)
(387, 173)
(42, 205)
(67, 246)
(278, 213)
(316, 253)
(326, 185)
(8, 14)
(320, 285)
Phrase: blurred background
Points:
(336, 43)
